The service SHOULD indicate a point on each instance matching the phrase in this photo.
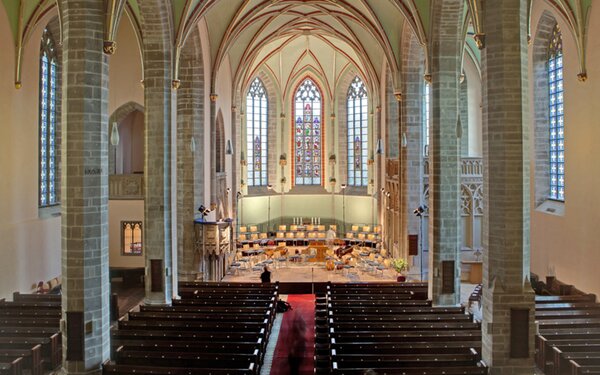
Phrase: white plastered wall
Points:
(568, 246)
(29, 246)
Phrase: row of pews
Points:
(568, 341)
(215, 328)
(30, 338)
(393, 329)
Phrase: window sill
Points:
(552, 207)
(49, 212)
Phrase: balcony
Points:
(126, 186)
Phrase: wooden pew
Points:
(229, 360)
(395, 310)
(372, 348)
(113, 368)
(577, 369)
(51, 347)
(31, 356)
(25, 297)
(569, 298)
(188, 326)
(544, 357)
(402, 318)
(414, 336)
(477, 369)
(242, 311)
(563, 356)
(30, 322)
(190, 316)
(11, 368)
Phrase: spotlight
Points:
(203, 210)
(343, 186)
(419, 211)
(239, 194)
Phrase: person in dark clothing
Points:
(265, 277)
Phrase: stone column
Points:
(508, 300)
(86, 288)
(412, 184)
(157, 164)
(213, 144)
(190, 164)
(444, 177)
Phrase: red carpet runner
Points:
(303, 307)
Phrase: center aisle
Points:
(303, 310)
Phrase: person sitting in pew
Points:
(265, 277)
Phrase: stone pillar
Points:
(508, 300)
(413, 109)
(157, 164)
(190, 164)
(444, 177)
(86, 288)
(213, 144)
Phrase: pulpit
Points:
(214, 247)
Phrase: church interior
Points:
(410, 174)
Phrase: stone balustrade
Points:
(126, 186)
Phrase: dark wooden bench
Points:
(395, 310)
(569, 298)
(563, 356)
(30, 322)
(544, 348)
(460, 347)
(11, 368)
(241, 311)
(577, 369)
(31, 356)
(401, 318)
(374, 303)
(25, 297)
(567, 314)
(419, 336)
(51, 313)
(113, 368)
(406, 360)
(192, 326)
(567, 306)
(222, 302)
(477, 369)
(186, 359)
(24, 305)
(145, 315)
(403, 326)
(51, 347)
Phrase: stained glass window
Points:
(357, 133)
(426, 104)
(307, 139)
(557, 124)
(256, 133)
(47, 131)
(131, 237)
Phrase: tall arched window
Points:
(256, 133)
(48, 176)
(358, 135)
(557, 124)
(426, 105)
(308, 133)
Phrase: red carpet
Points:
(303, 308)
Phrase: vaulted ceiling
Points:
(275, 34)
